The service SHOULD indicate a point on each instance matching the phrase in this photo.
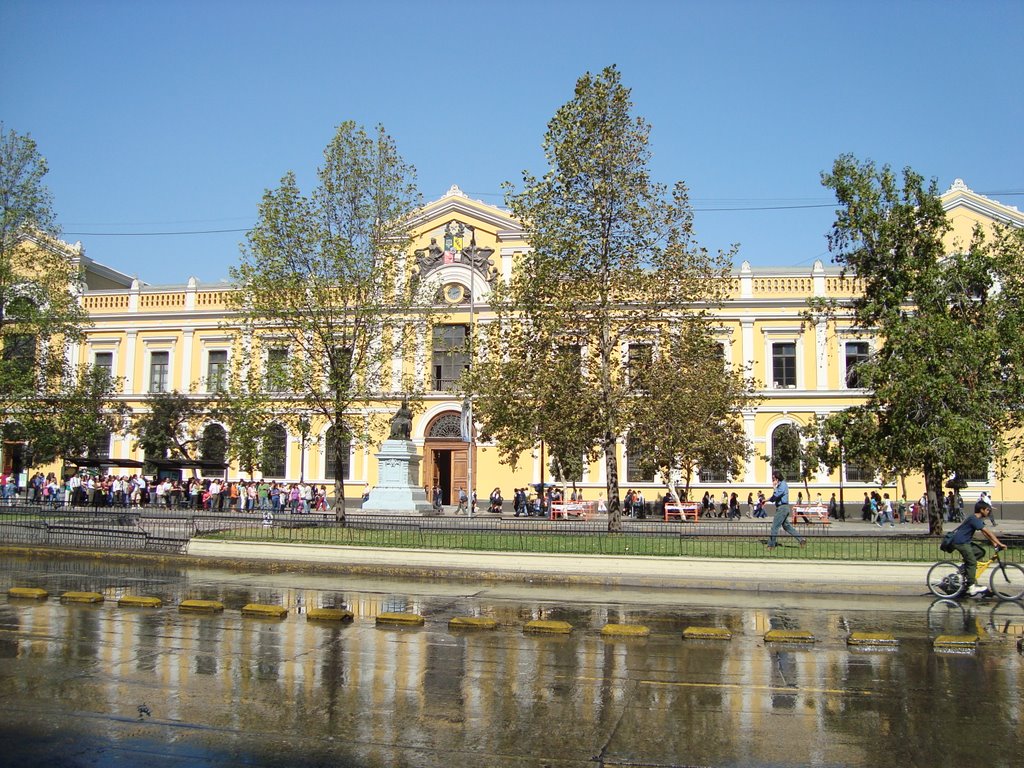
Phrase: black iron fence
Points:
(156, 529)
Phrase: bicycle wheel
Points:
(945, 579)
(1007, 581)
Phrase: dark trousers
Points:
(971, 553)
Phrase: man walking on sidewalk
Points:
(782, 510)
(462, 502)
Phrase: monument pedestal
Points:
(398, 491)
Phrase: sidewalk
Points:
(758, 575)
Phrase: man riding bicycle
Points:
(971, 552)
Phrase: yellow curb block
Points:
(328, 614)
(265, 611)
(401, 619)
(625, 630)
(706, 633)
(472, 622)
(81, 597)
(541, 626)
(201, 606)
(956, 641)
(28, 593)
(137, 601)
(788, 636)
(871, 638)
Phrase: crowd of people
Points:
(135, 491)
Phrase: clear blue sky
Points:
(175, 116)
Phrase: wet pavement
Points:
(103, 685)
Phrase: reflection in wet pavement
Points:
(105, 685)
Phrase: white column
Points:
(421, 352)
(129, 362)
(398, 355)
(185, 378)
(747, 334)
(821, 352)
(818, 275)
(507, 258)
(748, 430)
(746, 281)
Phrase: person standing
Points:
(782, 510)
(886, 513)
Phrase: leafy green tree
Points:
(66, 421)
(612, 262)
(322, 287)
(839, 439)
(60, 410)
(690, 411)
(171, 426)
(39, 311)
(789, 454)
(945, 381)
(243, 403)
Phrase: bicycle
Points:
(948, 579)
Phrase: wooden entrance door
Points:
(446, 464)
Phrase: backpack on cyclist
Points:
(946, 545)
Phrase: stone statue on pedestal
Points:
(401, 422)
(398, 491)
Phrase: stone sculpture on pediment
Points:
(455, 252)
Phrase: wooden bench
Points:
(814, 513)
(581, 510)
(686, 511)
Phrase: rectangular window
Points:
(635, 464)
(977, 474)
(216, 369)
(104, 361)
(277, 369)
(100, 448)
(711, 475)
(640, 358)
(329, 459)
(859, 473)
(450, 356)
(856, 353)
(20, 351)
(339, 370)
(784, 365)
(159, 363)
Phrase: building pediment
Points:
(457, 205)
(960, 197)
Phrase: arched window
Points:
(214, 446)
(447, 427)
(275, 449)
(330, 454)
(786, 451)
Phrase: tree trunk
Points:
(611, 465)
(339, 478)
(933, 487)
(842, 472)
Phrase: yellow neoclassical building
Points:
(179, 337)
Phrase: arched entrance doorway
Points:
(446, 458)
